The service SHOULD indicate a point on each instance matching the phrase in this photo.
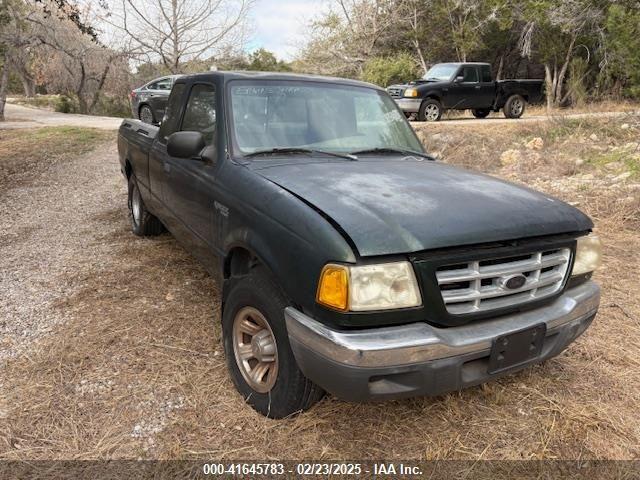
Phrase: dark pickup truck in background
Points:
(464, 86)
(349, 260)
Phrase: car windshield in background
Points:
(440, 72)
(276, 115)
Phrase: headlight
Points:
(588, 255)
(368, 287)
(411, 92)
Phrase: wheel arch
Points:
(243, 256)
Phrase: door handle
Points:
(477, 87)
(167, 167)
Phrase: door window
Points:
(164, 84)
(470, 75)
(171, 118)
(200, 115)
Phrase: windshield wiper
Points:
(392, 150)
(294, 150)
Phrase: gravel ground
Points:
(51, 231)
(19, 116)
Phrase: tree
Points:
(266, 61)
(385, 71)
(176, 31)
(353, 32)
(551, 32)
(620, 64)
(71, 60)
(15, 37)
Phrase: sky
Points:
(279, 25)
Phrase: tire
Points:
(145, 113)
(481, 113)
(282, 390)
(514, 106)
(430, 111)
(143, 223)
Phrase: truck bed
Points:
(530, 89)
(134, 142)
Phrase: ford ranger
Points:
(349, 260)
(464, 86)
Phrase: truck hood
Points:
(402, 206)
(418, 83)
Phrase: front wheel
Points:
(259, 357)
(430, 111)
(514, 106)
(481, 113)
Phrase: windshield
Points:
(441, 71)
(269, 115)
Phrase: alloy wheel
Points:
(255, 349)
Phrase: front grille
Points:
(395, 92)
(478, 286)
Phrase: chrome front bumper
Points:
(409, 105)
(428, 351)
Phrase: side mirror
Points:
(185, 144)
(459, 79)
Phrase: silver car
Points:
(149, 101)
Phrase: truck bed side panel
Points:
(530, 89)
(139, 137)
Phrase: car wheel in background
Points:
(259, 357)
(481, 113)
(514, 106)
(430, 111)
(146, 114)
(143, 223)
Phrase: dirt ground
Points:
(110, 344)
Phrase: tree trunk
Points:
(29, 86)
(82, 102)
(423, 62)
(563, 71)
(548, 86)
(500, 67)
(4, 83)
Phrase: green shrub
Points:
(66, 104)
(112, 106)
(385, 71)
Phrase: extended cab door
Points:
(191, 183)
(487, 92)
(159, 169)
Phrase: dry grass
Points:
(25, 154)
(138, 371)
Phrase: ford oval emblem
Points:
(512, 282)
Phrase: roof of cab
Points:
(249, 75)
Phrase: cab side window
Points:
(171, 118)
(470, 75)
(200, 115)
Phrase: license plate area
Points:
(516, 348)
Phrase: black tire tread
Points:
(150, 225)
(506, 110)
(421, 112)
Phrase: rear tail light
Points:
(132, 95)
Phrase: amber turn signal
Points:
(333, 288)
